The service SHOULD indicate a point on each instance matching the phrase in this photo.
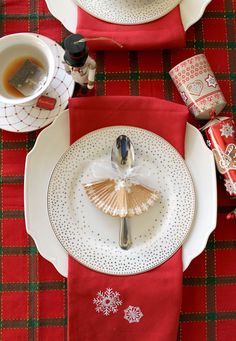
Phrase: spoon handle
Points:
(125, 236)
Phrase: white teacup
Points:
(19, 45)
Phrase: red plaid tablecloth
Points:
(33, 294)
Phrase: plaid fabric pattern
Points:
(33, 294)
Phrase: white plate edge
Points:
(187, 20)
(40, 246)
(191, 256)
(60, 13)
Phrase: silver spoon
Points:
(122, 156)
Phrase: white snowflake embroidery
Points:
(133, 314)
(184, 96)
(227, 130)
(230, 186)
(107, 302)
(211, 81)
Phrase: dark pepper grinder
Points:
(78, 63)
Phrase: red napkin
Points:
(166, 32)
(147, 304)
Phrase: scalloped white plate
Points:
(66, 12)
(54, 141)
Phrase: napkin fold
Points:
(166, 32)
(140, 307)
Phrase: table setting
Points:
(117, 170)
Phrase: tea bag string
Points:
(83, 40)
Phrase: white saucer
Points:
(191, 11)
(29, 117)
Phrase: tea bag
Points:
(29, 78)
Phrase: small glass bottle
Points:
(78, 63)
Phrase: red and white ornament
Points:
(221, 137)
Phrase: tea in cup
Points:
(26, 61)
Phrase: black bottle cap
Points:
(75, 53)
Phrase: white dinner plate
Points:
(28, 117)
(54, 141)
(66, 12)
(89, 235)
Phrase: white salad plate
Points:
(89, 235)
(53, 142)
(28, 117)
(66, 12)
(128, 12)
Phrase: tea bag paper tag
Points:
(29, 78)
